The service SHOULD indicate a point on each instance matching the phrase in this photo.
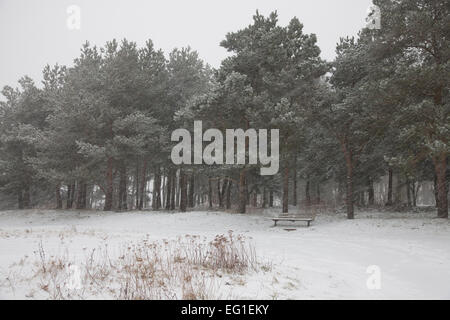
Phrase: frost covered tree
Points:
(416, 34)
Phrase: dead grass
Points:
(189, 267)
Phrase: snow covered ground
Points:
(328, 260)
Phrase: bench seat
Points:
(292, 219)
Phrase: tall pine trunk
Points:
(390, 182)
(228, 196)
(168, 189)
(109, 186)
(177, 192)
(221, 191)
(143, 182)
(81, 195)
(173, 191)
(271, 198)
(163, 189)
(191, 193)
(255, 198)
(349, 199)
(136, 193)
(85, 196)
(58, 196)
(264, 198)
(123, 188)
(219, 194)
(27, 197)
(69, 192)
(247, 194)
(210, 193)
(20, 199)
(414, 193)
(308, 193)
(440, 165)
(370, 191)
(156, 200)
(294, 190)
(183, 191)
(408, 191)
(242, 192)
(70, 195)
(318, 193)
(286, 189)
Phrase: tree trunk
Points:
(83, 199)
(26, 197)
(20, 199)
(183, 191)
(168, 189)
(221, 191)
(81, 195)
(307, 193)
(414, 192)
(69, 192)
(389, 200)
(191, 202)
(317, 193)
(242, 192)
(85, 196)
(247, 193)
(143, 182)
(210, 193)
(225, 188)
(255, 198)
(173, 191)
(228, 196)
(436, 199)
(109, 186)
(349, 198)
(398, 189)
(286, 189)
(294, 191)
(408, 191)
(177, 192)
(123, 188)
(58, 196)
(156, 199)
(136, 194)
(219, 194)
(271, 198)
(264, 198)
(163, 189)
(440, 164)
(370, 191)
(70, 195)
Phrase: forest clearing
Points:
(328, 260)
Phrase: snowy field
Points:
(328, 260)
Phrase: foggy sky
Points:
(34, 33)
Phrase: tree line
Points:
(98, 132)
